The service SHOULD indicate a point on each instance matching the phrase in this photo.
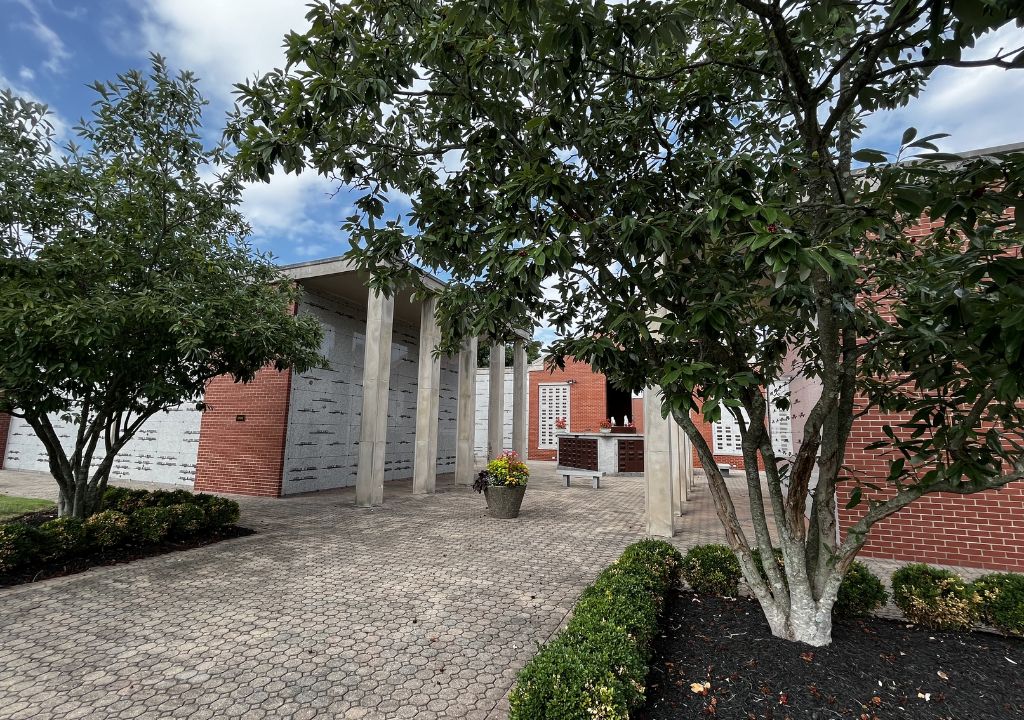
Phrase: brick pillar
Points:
(5, 428)
(242, 435)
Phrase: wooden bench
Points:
(568, 472)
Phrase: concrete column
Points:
(496, 402)
(658, 478)
(465, 426)
(519, 404)
(373, 430)
(681, 453)
(428, 382)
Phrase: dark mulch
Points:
(873, 670)
(117, 555)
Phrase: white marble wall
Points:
(483, 384)
(164, 450)
(322, 446)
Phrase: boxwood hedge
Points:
(596, 667)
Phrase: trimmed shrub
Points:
(20, 546)
(113, 497)
(151, 524)
(712, 570)
(1002, 601)
(125, 500)
(597, 666)
(935, 598)
(860, 593)
(107, 529)
(220, 512)
(62, 538)
(186, 520)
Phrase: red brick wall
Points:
(244, 458)
(5, 427)
(638, 414)
(587, 402)
(983, 530)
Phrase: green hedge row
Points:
(596, 667)
(129, 518)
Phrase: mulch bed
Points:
(873, 670)
(115, 556)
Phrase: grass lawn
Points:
(12, 507)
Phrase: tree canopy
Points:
(671, 185)
(126, 283)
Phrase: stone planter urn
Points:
(504, 501)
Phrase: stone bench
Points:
(568, 472)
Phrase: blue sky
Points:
(50, 49)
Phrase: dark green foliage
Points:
(935, 598)
(62, 538)
(107, 529)
(19, 546)
(597, 666)
(1002, 601)
(712, 570)
(220, 512)
(860, 593)
(670, 186)
(114, 497)
(151, 524)
(125, 273)
(187, 520)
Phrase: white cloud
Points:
(57, 53)
(224, 42)
(289, 212)
(978, 107)
(26, 74)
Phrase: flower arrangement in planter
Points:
(606, 425)
(503, 484)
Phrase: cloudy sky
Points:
(50, 49)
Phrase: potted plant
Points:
(503, 484)
(606, 426)
(560, 425)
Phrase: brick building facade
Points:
(243, 434)
(590, 400)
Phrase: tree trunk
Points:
(806, 620)
(811, 625)
(82, 502)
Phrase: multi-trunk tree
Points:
(125, 280)
(671, 184)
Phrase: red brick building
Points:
(582, 396)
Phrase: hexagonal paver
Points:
(424, 608)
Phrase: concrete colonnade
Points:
(376, 377)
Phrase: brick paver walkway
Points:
(423, 608)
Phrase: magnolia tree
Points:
(670, 185)
(125, 280)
